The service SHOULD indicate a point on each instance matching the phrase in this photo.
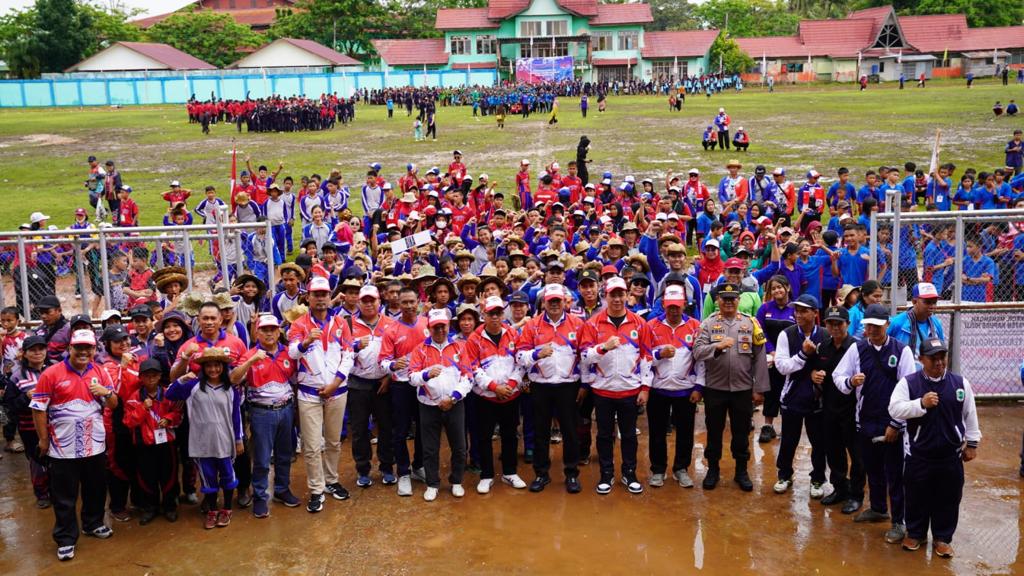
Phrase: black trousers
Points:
(723, 139)
(431, 131)
(773, 397)
(506, 415)
(362, 404)
(739, 407)
(933, 492)
(842, 452)
(121, 464)
(683, 413)
(585, 428)
(68, 477)
(608, 412)
(793, 424)
(158, 476)
(405, 415)
(883, 463)
(556, 401)
(432, 420)
(243, 462)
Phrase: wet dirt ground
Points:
(667, 530)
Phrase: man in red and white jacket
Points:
(548, 350)
(616, 348)
(321, 342)
(676, 385)
(438, 371)
(497, 380)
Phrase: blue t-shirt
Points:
(939, 194)
(901, 330)
(854, 267)
(974, 269)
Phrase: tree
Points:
(111, 26)
(344, 25)
(733, 59)
(673, 15)
(210, 36)
(746, 18)
(978, 12)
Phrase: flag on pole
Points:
(764, 63)
(858, 65)
(675, 66)
(945, 56)
(899, 57)
(234, 175)
(934, 164)
(552, 43)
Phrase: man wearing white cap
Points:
(548, 349)
(267, 372)
(616, 349)
(497, 380)
(368, 390)
(67, 410)
(321, 342)
(438, 371)
(523, 186)
(919, 322)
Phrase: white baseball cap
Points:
(267, 321)
(83, 337)
(438, 316)
(614, 283)
(493, 303)
(369, 291)
(38, 217)
(674, 296)
(711, 243)
(552, 291)
(319, 284)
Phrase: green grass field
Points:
(43, 151)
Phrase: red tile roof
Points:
(501, 9)
(836, 37)
(685, 44)
(167, 55)
(412, 52)
(336, 58)
(934, 33)
(610, 14)
(878, 15)
(463, 19)
(255, 17)
(581, 7)
(773, 46)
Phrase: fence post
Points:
(26, 305)
(159, 251)
(271, 281)
(82, 278)
(222, 214)
(187, 258)
(956, 323)
(893, 201)
(873, 253)
(105, 269)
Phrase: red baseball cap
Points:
(735, 263)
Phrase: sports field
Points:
(43, 151)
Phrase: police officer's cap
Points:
(727, 290)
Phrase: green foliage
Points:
(979, 12)
(210, 36)
(673, 15)
(345, 25)
(746, 18)
(733, 59)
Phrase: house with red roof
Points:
(257, 14)
(604, 41)
(877, 42)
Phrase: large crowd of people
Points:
(569, 304)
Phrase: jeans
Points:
(320, 424)
(608, 412)
(432, 420)
(67, 477)
(271, 435)
(683, 414)
(404, 415)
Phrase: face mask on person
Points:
(441, 224)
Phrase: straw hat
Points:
(441, 282)
(157, 275)
(294, 268)
(467, 279)
(212, 355)
(639, 261)
(261, 286)
(167, 279)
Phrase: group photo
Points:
(512, 286)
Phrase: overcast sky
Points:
(151, 7)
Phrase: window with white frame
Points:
(629, 40)
(664, 69)
(601, 41)
(486, 44)
(459, 45)
(529, 29)
(557, 27)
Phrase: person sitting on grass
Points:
(997, 109)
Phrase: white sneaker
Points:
(484, 486)
(817, 490)
(404, 485)
(430, 494)
(514, 481)
(683, 478)
(782, 486)
(458, 491)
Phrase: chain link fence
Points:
(91, 269)
(975, 259)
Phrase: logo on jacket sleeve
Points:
(960, 395)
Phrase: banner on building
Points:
(537, 70)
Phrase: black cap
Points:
(33, 341)
(329, 246)
(80, 319)
(519, 297)
(806, 301)
(742, 250)
(674, 278)
(932, 346)
(837, 313)
(114, 334)
(141, 310)
(91, 158)
(306, 242)
(639, 278)
(48, 302)
(588, 275)
(726, 290)
(876, 314)
(556, 263)
(760, 169)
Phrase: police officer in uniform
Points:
(942, 434)
(731, 345)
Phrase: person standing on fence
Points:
(919, 323)
(942, 434)
(872, 367)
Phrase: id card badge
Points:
(160, 436)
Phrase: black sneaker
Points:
(836, 497)
(337, 491)
(315, 504)
(572, 485)
(767, 433)
(632, 484)
(539, 483)
(711, 479)
(604, 486)
(147, 517)
(743, 479)
(287, 498)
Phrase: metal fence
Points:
(87, 268)
(975, 258)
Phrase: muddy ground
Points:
(668, 530)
